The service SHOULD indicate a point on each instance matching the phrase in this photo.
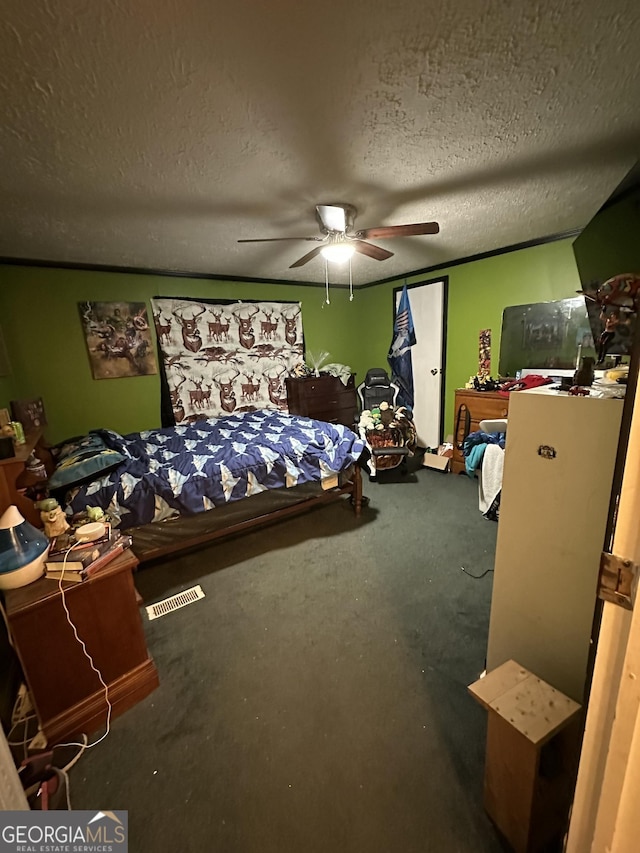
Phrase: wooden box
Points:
(533, 735)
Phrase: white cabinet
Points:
(558, 471)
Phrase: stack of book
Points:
(75, 561)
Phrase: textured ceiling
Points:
(156, 133)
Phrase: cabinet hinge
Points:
(618, 580)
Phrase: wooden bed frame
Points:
(160, 539)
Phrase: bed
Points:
(210, 478)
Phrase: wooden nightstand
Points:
(12, 469)
(68, 696)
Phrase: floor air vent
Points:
(175, 602)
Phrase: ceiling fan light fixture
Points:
(337, 253)
(340, 241)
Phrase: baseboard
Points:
(90, 715)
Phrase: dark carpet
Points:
(316, 699)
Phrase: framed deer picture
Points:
(118, 339)
(217, 358)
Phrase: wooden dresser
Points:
(481, 405)
(325, 398)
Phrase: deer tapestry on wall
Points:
(220, 358)
(118, 339)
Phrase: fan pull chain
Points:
(350, 283)
(326, 281)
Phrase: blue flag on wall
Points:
(399, 357)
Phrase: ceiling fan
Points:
(340, 240)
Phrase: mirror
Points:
(545, 335)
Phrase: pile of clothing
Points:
(484, 453)
(475, 445)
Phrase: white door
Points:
(427, 309)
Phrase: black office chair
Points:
(377, 388)
(387, 443)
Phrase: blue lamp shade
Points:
(23, 550)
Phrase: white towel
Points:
(490, 478)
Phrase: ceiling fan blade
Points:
(371, 251)
(277, 239)
(306, 258)
(385, 231)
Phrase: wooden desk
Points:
(68, 696)
(10, 471)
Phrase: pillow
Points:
(81, 459)
(113, 440)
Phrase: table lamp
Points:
(23, 550)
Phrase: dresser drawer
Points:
(313, 385)
(346, 415)
(319, 385)
(325, 398)
(481, 406)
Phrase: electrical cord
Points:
(25, 719)
(86, 654)
(22, 707)
(475, 577)
(27, 736)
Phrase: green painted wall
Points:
(478, 293)
(6, 391)
(610, 244)
(40, 320)
(41, 323)
(6, 369)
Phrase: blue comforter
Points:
(191, 468)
